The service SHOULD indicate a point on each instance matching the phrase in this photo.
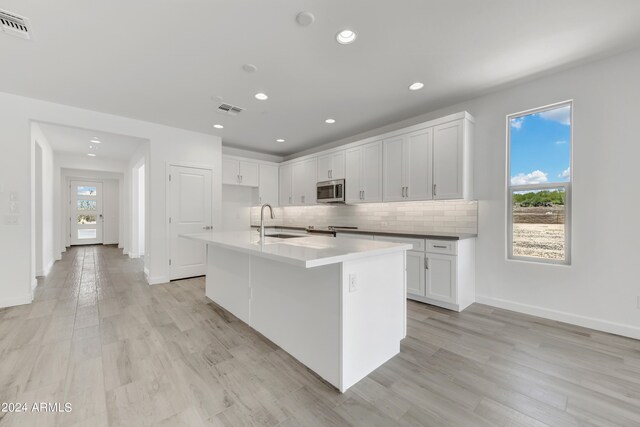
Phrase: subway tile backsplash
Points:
(453, 216)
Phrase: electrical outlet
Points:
(353, 282)
(11, 220)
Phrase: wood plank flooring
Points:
(124, 353)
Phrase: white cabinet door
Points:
(415, 273)
(249, 173)
(268, 185)
(304, 176)
(394, 186)
(230, 171)
(325, 163)
(310, 181)
(418, 161)
(448, 145)
(285, 190)
(371, 181)
(441, 278)
(337, 165)
(353, 175)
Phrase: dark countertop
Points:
(415, 235)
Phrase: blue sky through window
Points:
(541, 147)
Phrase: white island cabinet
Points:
(336, 305)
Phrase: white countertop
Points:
(307, 252)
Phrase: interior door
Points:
(190, 211)
(85, 209)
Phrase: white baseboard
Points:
(34, 284)
(46, 270)
(156, 280)
(11, 302)
(561, 316)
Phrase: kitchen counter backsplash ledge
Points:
(455, 216)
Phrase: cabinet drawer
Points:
(447, 247)
(418, 244)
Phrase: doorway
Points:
(86, 213)
(190, 211)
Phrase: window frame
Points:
(510, 189)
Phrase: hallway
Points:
(125, 353)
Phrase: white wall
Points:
(601, 287)
(138, 202)
(44, 196)
(167, 144)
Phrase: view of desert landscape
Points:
(539, 232)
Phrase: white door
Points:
(394, 169)
(268, 187)
(230, 171)
(249, 174)
(190, 211)
(284, 189)
(415, 273)
(85, 208)
(353, 175)
(418, 165)
(372, 172)
(441, 277)
(337, 165)
(325, 163)
(447, 160)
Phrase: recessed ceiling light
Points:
(416, 86)
(346, 36)
(279, 140)
(95, 140)
(261, 96)
(91, 155)
(218, 126)
(91, 146)
(330, 121)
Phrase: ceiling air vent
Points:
(229, 109)
(14, 25)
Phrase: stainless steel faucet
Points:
(262, 219)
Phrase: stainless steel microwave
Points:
(330, 191)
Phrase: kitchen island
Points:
(338, 306)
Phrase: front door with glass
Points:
(85, 209)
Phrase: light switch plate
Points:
(14, 207)
(14, 196)
(353, 282)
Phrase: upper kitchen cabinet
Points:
(331, 166)
(452, 161)
(363, 173)
(285, 189)
(268, 184)
(304, 180)
(239, 172)
(407, 166)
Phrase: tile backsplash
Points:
(454, 216)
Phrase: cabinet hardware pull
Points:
(434, 190)
(426, 263)
(440, 246)
(406, 192)
(363, 195)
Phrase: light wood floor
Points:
(124, 353)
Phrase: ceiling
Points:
(166, 61)
(70, 140)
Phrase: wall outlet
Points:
(11, 220)
(353, 282)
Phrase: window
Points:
(539, 185)
(86, 191)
